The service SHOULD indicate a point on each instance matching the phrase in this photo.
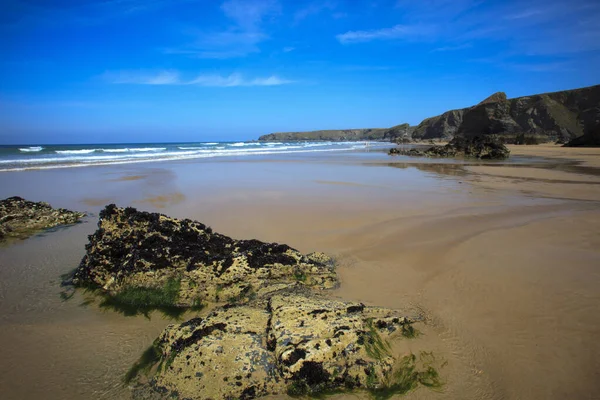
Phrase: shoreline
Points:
(505, 271)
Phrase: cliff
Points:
(332, 135)
(557, 116)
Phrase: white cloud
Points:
(173, 78)
(452, 48)
(234, 80)
(249, 14)
(142, 78)
(238, 40)
(395, 32)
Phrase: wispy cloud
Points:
(395, 32)
(526, 14)
(452, 48)
(238, 40)
(142, 78)
(314, 8)
(174, 78)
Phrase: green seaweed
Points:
(138, 300)
(300, 275)
(409, 332)
(149, 357)
(375, 346)
(408, 377)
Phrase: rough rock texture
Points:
(557, 116)
(134, 249)
(400, 133)
(442, 126)
(481, 147)
(496, 97)
(590, 139)
(331, 135)
(591, 136)
(20, 218)
(290, 342)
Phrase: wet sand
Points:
(503, 259)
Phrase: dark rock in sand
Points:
(591, 137)
(20, 218)
(481, 147)
(134, 250)
(291, 342)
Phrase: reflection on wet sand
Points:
(162, 201)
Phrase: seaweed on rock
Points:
(143, 261)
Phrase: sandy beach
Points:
(502, 257)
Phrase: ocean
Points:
(26, 157)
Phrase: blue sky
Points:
(91, 71)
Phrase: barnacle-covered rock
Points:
(135, 255)
(20, 218)
(293, 342)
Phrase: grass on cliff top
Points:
(133, 301)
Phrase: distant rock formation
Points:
(150, 260)
(442, 126)
(558, 116)
(402, 132)
(336, 135)
(20, 218)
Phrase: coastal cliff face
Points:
(442, 126)
(558, 116)
(330, 135)
(20, 218)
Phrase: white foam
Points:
(32, 149)
(142, 149)
(80, 159)
(85, 151)
(239, 144)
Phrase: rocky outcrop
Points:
(591, 136)
(151, 260)
(331, 135)
(481, 147)
(291, 343)
(20, 218)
